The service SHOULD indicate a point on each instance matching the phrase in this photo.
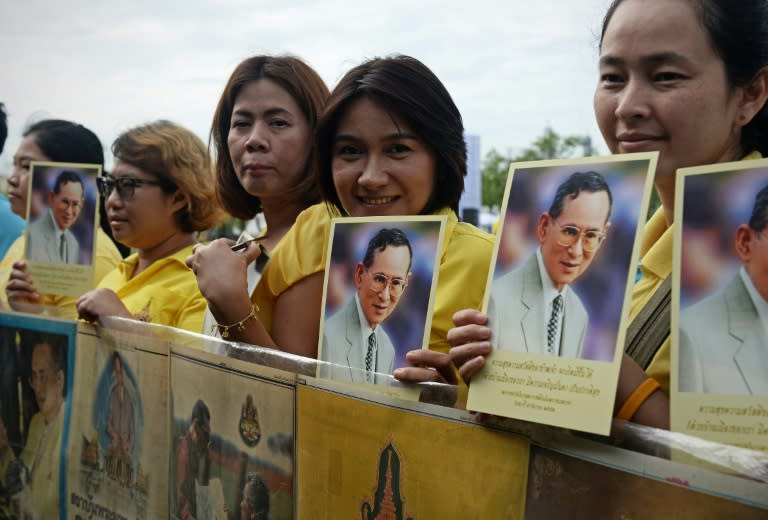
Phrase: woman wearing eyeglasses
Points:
(158, 195)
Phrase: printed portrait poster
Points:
(62, 217)
(36, 358)
(557, 298)
(232, 432)
(367, 460)
(378, 295)
(118, 441)
(720, 304)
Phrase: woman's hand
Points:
(470, 342)
(101, 302)
(21, 291)
(427, 365)
(222, 274)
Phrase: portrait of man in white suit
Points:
(354, 337)
(723, 340)
(533, 308)
(50, 238)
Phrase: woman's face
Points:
(380, 167)
(663, 87)
(18, 182)
(145, 219)
(269, 139)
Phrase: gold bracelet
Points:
(240, 325)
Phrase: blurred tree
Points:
(550, 145)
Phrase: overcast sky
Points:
(512, 67)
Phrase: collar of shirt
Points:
(656, 246)
(760, 304)
(366, 331)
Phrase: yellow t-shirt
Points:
(464, 263)
(656, 265)
(165, 293)
(107, 258)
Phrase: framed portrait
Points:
(36, 381)
(719, 303)
(232, 439)
(118, 438)
(378, 295)
(557, 296)
(62, 218)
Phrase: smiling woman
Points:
(159, 193)
(686, 78)
(390, 142)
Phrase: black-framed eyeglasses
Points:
(381, 281)
(569, 235)
(126, 186)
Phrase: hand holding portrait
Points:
(426, 366)
(21, 291)
(470, 342)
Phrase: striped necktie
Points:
(63, 249)
(369, 355)
(554, 322)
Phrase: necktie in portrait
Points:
(62, 248)
(369, 355)
(554, 322)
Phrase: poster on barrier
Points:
(720, 304)
(36, 381)
(558, 298)
(118, 440)
(372, 459)
(232, 439)
(378, 296)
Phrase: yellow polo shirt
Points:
(165, 293)
(656, 265)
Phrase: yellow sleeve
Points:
(461, 281)
(300, 253)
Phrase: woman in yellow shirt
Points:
(687, 78)
(263, 134)
(390, 142)
(158, 195)
(60, 141)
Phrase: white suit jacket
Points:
(722, 346)
(342, 335)
(517, 313)
(43, 244)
